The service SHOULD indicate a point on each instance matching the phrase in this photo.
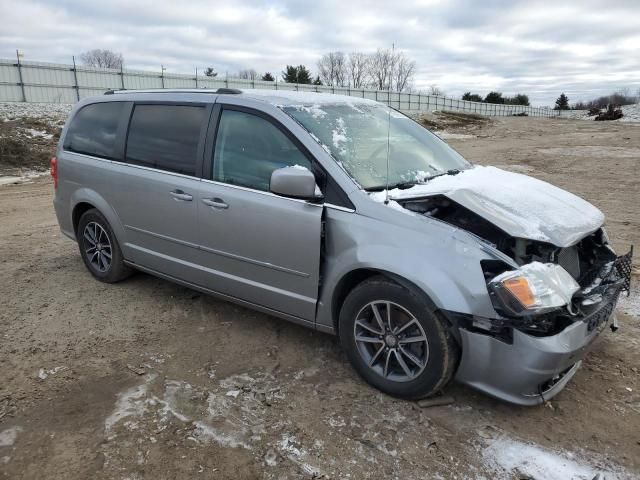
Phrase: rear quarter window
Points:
(165, 137)
(93, 130)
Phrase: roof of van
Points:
(275, 97)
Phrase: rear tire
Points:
(99, 248)
(412, 355)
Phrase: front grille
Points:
(569, 260)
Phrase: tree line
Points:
(496, 97)
(385, 69)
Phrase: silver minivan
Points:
(346, 216)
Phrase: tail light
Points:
(54, 171)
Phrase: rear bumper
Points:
(530, 369)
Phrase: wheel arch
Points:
(85, 199)
(355, 277)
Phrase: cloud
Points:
(539, 47)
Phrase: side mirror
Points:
(295, 182)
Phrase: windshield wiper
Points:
(405, 185)
(400, 185)
(453, 171)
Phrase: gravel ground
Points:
(146, 379)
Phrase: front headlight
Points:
(534, 288)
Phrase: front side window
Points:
(165, 137)
(94, 128)
(361, 135)
(249, 148)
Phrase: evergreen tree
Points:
(299, 74)
(494, 97)
(472, 97)
(267, 77)
(562, 103)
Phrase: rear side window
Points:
(93, 130)
(249, 148)
(165, 137)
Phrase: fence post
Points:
(122, 77)
(24, 97)
(196, 78)
(75, 78)
(162, 75)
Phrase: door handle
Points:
(215, 202)
(180, 195)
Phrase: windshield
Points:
(356, 136)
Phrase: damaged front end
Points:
(550, 303)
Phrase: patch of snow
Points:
(38, 133)
(631, 113)
(522, 206)
(233, 393)
(52, 113)
(289, 444)
(8, 436)
(130, 403)
(44, 373)
(25, 178)
(592, 151)
(339, 136)
(205, 432)
(508, 457)
(444, 135)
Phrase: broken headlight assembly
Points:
(532, 289)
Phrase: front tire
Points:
(395, 341)
(99, 248)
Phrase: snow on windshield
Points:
(360, 135)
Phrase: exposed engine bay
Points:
(599, 272)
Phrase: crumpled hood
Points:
(520, 205)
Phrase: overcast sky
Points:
(585, 48)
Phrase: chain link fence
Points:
(22, 81)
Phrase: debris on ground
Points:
(454, 122)
(611, 113)
(136, 370)
(436, 401)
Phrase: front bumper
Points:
(530, 369)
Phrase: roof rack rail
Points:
(232, 91)
(221, 91)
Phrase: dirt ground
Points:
(149, 380)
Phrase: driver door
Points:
(258, 246)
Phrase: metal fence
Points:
(59, 83)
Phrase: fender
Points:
(87, 195)
(445, 267)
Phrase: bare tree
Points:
(435, 90)
(248, 74)
(332, 69)
(102, 58)
(358, 69)
(381, 65)
(403, 71)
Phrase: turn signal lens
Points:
(519, 288)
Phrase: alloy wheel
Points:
(391, 341)
(97, 246)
